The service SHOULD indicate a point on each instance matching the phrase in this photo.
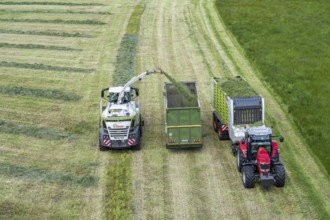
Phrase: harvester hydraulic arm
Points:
(136, 78)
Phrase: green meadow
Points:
(288, 43)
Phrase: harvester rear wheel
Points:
(248, 176)
(279, 177)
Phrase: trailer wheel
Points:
(221, 134)
(215, 125)
(279, 177)
(248, 177)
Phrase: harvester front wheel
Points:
(248, 177)
(279, 177)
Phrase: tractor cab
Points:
(256, 140)
(258, 157)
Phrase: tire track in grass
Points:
(149, 169)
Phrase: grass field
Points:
(50, 53)
(288, 42)
(55, 58)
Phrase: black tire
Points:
(101, 147)
(137, 147)
(279, 176)
(248, 176)
(234, 149)
(239, 160)
(215, 125)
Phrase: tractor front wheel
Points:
(248, 176)
(239, 160)
(279, 172)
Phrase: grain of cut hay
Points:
(235, 87)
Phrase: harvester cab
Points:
(258, 158)
(120, 119)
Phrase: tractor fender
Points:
(277, 163)
(247, 164)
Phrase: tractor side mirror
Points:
(281, 139)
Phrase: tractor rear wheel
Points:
(239, 160)
(279, 177)
(248, 176)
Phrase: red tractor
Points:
(258, 158)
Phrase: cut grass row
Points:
(33, 131)
(119, 174)
(36, 46)
(50, 3)
(45, 33)
(48, 164)
(5, 11)
(46, 176)
(54, 21)
(40, 66)
(43, 93)
(285, 43)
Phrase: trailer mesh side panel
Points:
(220, 103)
(247, 110)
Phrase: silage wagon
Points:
(183, 127)
(239, 115)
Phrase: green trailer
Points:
(182, 115)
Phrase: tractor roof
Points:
(261, 130)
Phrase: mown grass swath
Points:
(45, 33)
(7, 11)
(42, 93)
(37, 46)
(34, 131)
(288, 43)
(54, 21)
(119, 182)
(49, 3)
(46, 176)
(40, 66)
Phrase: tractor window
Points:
(260, 141)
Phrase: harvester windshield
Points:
(113, 97)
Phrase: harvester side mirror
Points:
(102, 92)
(281, 139)
(136, 91)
